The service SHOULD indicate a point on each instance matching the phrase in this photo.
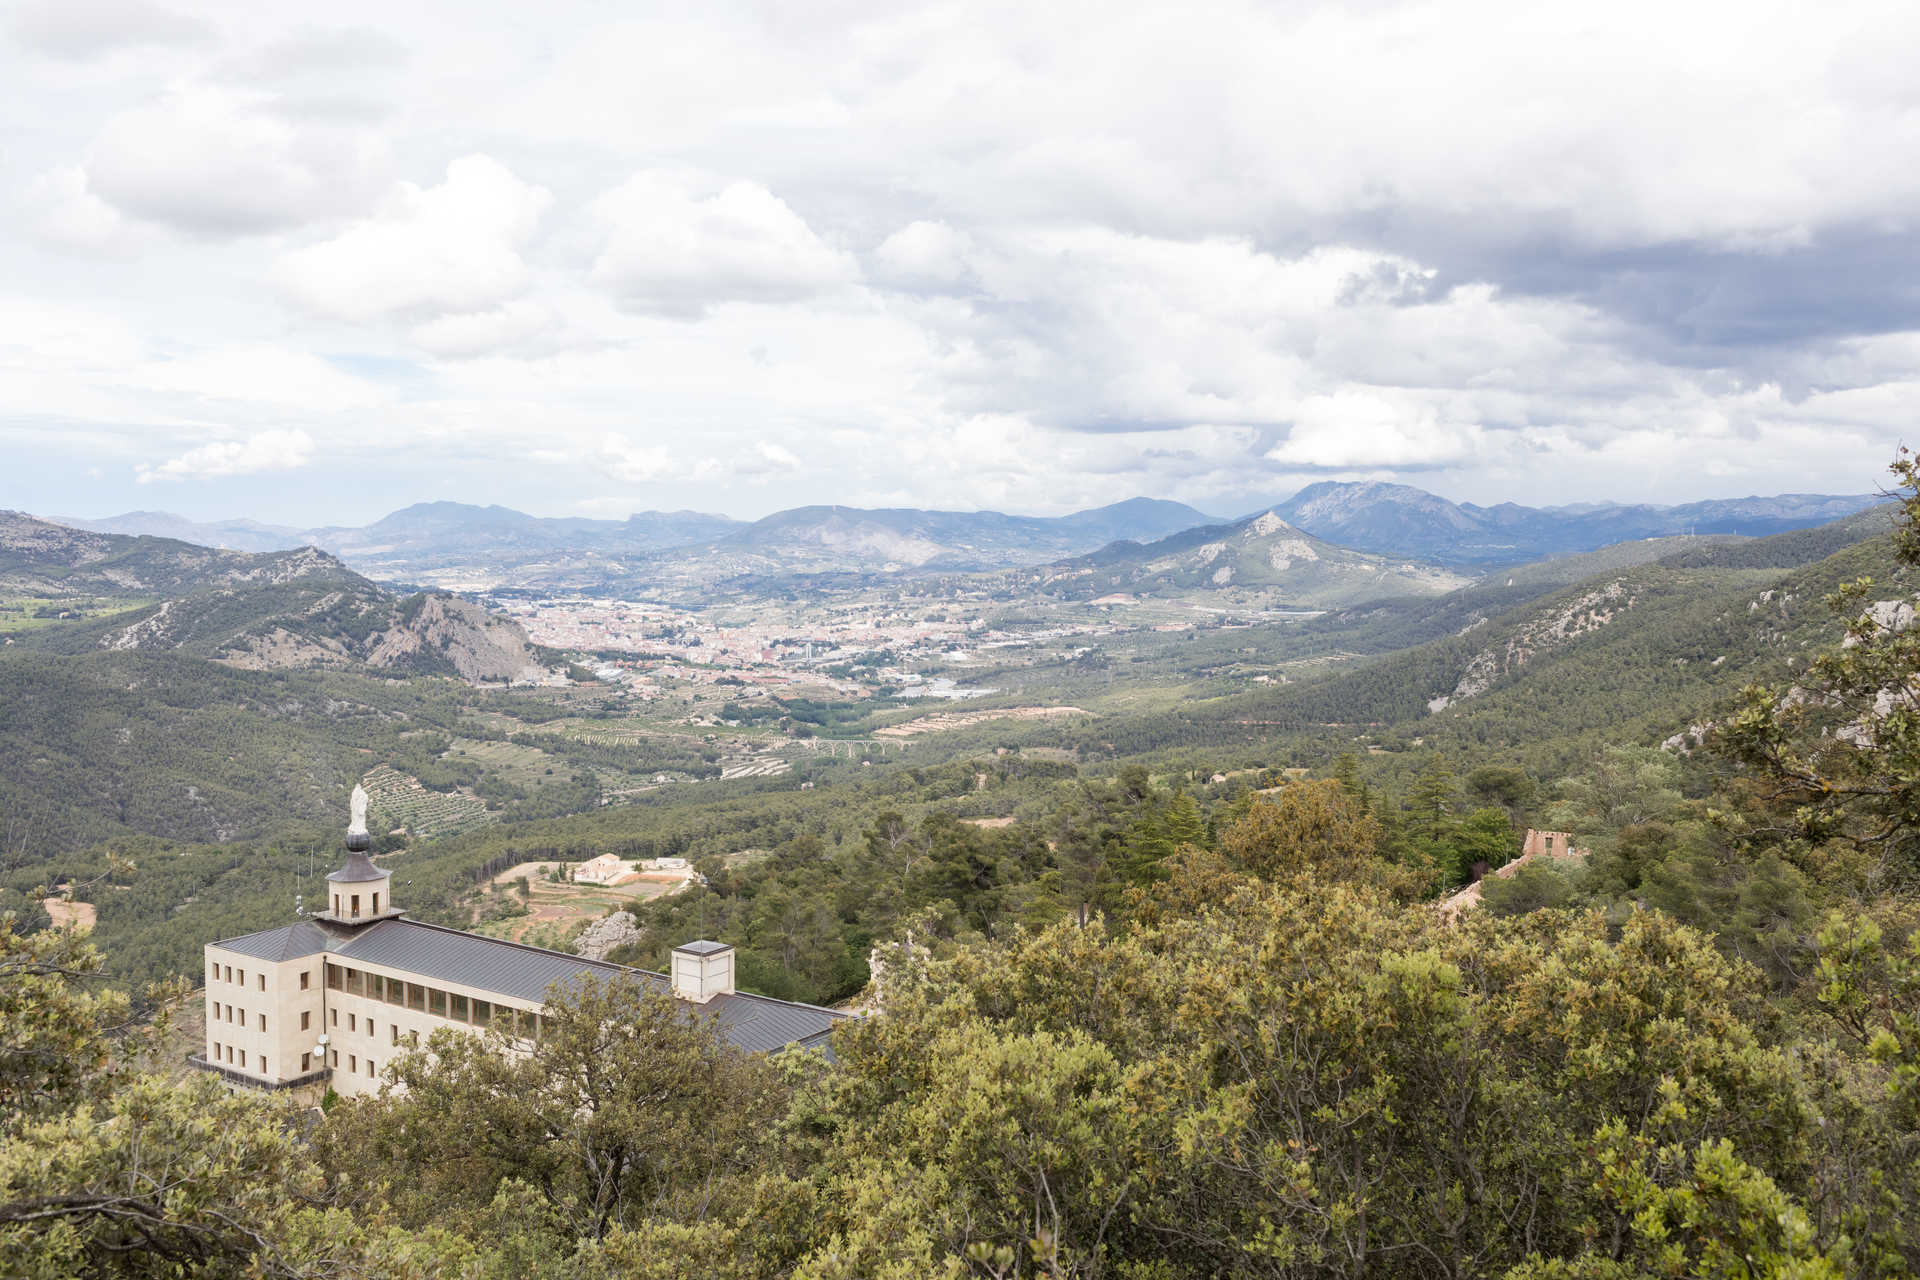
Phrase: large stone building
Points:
(332, 998)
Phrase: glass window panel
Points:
(436, 1002)
(460, 1008)
(416, 996)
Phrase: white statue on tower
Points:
(358, 826)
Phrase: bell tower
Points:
(359, 892)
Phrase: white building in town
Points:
(330, 999)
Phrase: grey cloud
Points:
(83, 29)
(1686, 303)
(320, 51)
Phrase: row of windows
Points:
(227, 973)
(227, 1013)
(433, 1001)
(353, 1063)
(236, 1057)
(353, 1024)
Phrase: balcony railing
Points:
(245, 1081)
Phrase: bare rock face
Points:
(602, 937)
(1588, 612)
(479, 645)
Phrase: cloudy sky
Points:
(308, 263)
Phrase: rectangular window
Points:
(416, 997)
(396, 991)
(243, 977)
(229, 973)
(396, 1032)
(216, 1051)
(352, 1022)
(460, 1013)
(263, 1022)
(243, 1059)
(306, 1019)
(333, 1015)
(353, 1063)
(369, 1026)
(265, 1070)
(334, 1055)
(263, 982)
(369, 1068)
(304, 976)
(436, 1002)
(242, 1019)
(356, 982)
(375, 985)
(376, 904)
(356, 906)
(333, 977)
(482, 1013)
(306, 1063)
(413, 1038)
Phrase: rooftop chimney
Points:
(703, 970)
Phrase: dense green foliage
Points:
(1162, 993)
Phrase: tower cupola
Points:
(359, 892)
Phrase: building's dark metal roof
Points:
(752, 1023)
(357, 868)
(505, 968)
(288, 942)
(704, 948)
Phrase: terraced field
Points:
(522, 766)
(396, 800)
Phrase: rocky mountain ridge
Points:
(272, 610)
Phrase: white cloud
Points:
(979, 254)
(260, 374)
(265, 451)
(634, 464)
(214, 161)
(62, 211)
(925, 255)
(676, 246)
(756, 463)
(451, 249)
(1361, 428)
(520, 323)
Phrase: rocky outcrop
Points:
(602, 937)
(1587, 612)
(478, 645)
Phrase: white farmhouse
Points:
(604, 869)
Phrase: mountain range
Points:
(274, 609)
(1261, 553)
(462, 546)
(1398, 519)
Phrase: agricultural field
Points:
(523, 766)
(396, 800)
(20, 614)
(556, 911)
